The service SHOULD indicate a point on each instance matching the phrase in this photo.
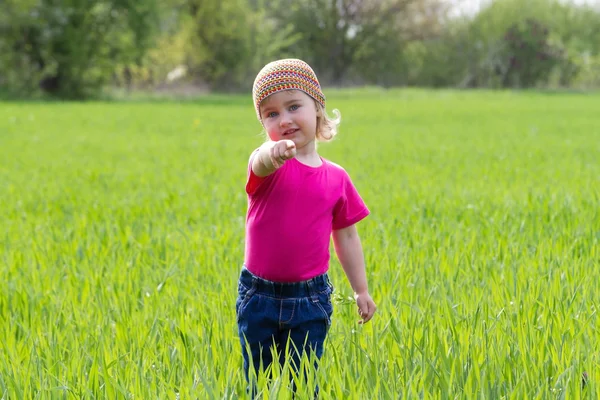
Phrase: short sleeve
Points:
(350, 208)
(253, 181)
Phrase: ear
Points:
(318, 110)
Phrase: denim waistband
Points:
(306, 288)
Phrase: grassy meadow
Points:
(122, 233)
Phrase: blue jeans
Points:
(269, 313)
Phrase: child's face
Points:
(291, 115)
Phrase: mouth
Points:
(290, 132)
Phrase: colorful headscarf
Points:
(286, 74)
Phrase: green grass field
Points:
(122, 228)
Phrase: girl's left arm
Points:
(349, 251)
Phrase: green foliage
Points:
(230, 41)
(589, 75)
(514, 43)
(219, 37)
(381, 45)
(269, 39)
(324, 28)
(530, 56)
(74, 48)
(358, 41)
(69, 48)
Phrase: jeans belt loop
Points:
(311, 289)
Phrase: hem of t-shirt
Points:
(277, 279)
(357, 218)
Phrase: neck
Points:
(308, 154)
(309, 150)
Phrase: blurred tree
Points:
(358, 40)
(230, 41)
(73, 48)
(488, 59)
(68, 47)
(392, 36)
(530, 55)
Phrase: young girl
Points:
(297, 200)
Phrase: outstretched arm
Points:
(271, 156)
(349, 251)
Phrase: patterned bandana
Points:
(284, 75)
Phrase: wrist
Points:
(265, 157)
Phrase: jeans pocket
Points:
(244, 296)
(325, 306)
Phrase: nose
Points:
(285, 119)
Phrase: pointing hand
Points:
(282, 151)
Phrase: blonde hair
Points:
(327, 127)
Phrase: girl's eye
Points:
(271, 114)
(294, 107)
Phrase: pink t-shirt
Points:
(291, 214)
